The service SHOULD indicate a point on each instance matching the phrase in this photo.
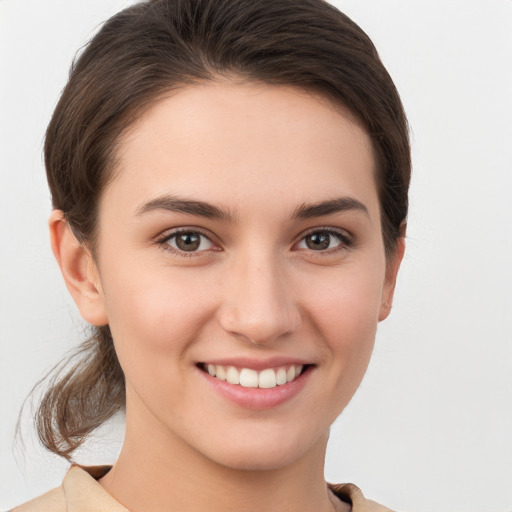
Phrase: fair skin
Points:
(242, 229)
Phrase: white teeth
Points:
(281, 376)
(249, 378)
(233, 375)
(220, 372)
(267, 379)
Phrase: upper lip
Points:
(257, 364)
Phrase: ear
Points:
(392, 266)
(78, 269)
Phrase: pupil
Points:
(188, 241)
(318, 241)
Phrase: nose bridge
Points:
(258, 300)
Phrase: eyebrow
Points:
(329, 207)
(207, 210)
(182, 205)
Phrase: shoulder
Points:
(79, 492)
(350, 493)
(52, 501)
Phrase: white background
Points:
(431, 427)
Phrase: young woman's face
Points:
(241, 237)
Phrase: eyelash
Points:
(346, 241)
(163, 241)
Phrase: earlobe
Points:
(78, 269)
(392, 266)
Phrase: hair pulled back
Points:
(158, 46)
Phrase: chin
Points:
(256, 461)
(267, 454)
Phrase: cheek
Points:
(349, 296)
(345, 309)
(154, 316)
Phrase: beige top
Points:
(80, 492)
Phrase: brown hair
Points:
(160, 45)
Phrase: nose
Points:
(259, 304)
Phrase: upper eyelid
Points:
(169, 233)
(326, 229)
(162, 242)
(345, 238)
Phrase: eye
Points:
(188, 241)
(324, 240)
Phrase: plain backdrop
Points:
(430, 428)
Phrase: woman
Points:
(229, 182)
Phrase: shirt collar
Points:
(84, 494)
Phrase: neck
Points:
(161, 473)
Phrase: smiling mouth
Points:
(249, 378)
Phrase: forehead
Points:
(237, 142)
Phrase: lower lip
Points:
(258, 398)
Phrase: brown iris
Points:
(318, 241)
(188, 241)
